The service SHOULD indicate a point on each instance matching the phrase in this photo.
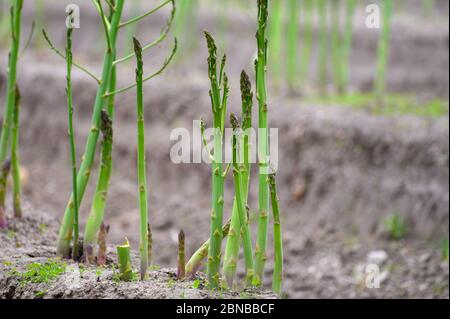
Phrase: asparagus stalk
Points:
(65, 233)
(4, 172)
(292, 66)
(219, 110)
(383, 52)
(181, 256)
(15, 162)
(263, 144)
(323, 51)
(347, 45)
(239, 185)
(73, 153)
(103, 232)
(97, 214)
(232, 246)
(305, 55)
(124, 261)
(195, 261)
(277, 238)
(141, 161)
(5, 135)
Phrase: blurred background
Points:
(363, 131)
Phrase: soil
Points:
(341, 172)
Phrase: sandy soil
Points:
(341, 171)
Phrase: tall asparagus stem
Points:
(200, 254)
(305, 55)
(277, 238)
(181, 272)
(150, 244)
(5, 135)
(239, 186)
(97, 214)
(263, 144)
(73, 152)
(15, 162)
(232, 246)
(292, 65)
(323, 51)
(65, 233)
(141, 161)
(347, 45)
(219, 110)
(383, 52)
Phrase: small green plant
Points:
(42, 273)
(395, 225)
(196, 284)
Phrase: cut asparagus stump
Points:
(124, 262)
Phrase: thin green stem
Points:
(217, 197)
(277, 239)
(200, 254)
(233, 240)
(73, 153)
(141, 161)
(263, 144)
(143, 16)
(65, 233)
(276, 40)
(241, 203)
(15, 162)
(5, 135)
(161, 38)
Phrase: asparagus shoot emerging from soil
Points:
(195, 261)
(4, 172)
(15, 162)
(124, 260)
(5, 134)
(233, 240)
(383, 52)
(277, 238)
(240, 192)
(181, 272)
(73, 153)
(263, 145)
(101, 255)
(66, 230)
(219, 110)
(141, 161)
